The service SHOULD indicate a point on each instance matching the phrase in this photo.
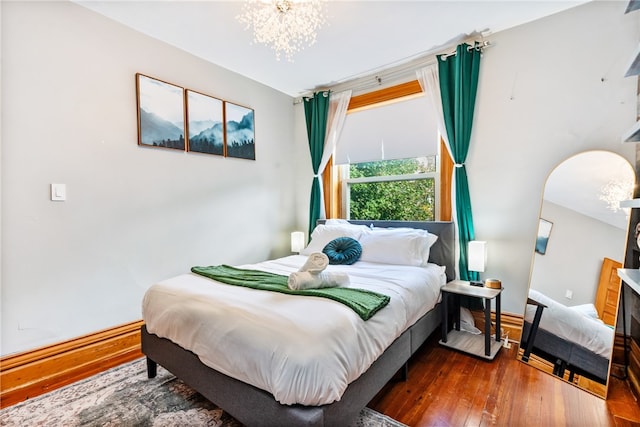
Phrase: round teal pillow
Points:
(343, 250)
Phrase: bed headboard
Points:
(442, 252)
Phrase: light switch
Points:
(58, 192)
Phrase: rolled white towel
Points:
(300, 280)
(316, 262)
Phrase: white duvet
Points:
(572, 324)
(303, 350)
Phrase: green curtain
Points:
(316, 110)
(458, 86)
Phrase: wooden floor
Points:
(449, 388)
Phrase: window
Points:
(401, 189)
(387, 164)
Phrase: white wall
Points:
(134, 215)
(303, 170)
(573, 260)
(548, 89)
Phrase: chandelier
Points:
(615, 191)
(287, 26)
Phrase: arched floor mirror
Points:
(573, 296)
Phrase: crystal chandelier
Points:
(287, 26)
(615, 191)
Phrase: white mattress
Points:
(572, 324)
(303, 350)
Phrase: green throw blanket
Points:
(364, 303)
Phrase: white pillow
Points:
(325, 233)
(400, 246)
(347, 224)
(588, 310)
(337, 221)
(428, 239)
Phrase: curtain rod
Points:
(478, 45)
(389, 74)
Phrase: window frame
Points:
(333, 175)
(346, 183)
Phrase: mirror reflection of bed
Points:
(571, 309)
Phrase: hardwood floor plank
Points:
(449, 388)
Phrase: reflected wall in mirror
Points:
(574, 288)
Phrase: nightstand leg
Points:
(456, 313)
(445, 316)
(487, 326)
(498, 331)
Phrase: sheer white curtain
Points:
(338, 104)
(430, 84)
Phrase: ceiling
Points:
(361, 37)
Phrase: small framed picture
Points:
(542, 239)
(205, 127)
(240, 133)
(161, 118)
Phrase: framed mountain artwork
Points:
(205, 126)
(161, 113)
(240, 133)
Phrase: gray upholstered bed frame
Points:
(565, 355)
(255, 407)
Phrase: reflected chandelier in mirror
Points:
(573, 297)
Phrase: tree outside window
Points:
(403, 189)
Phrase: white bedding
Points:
(303, 350)
(572, 324)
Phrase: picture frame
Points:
(161, 113)
(205, 123)
(239, 131)
(542, 239)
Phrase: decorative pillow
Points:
(400, 246)
(323, 234)
(343, 250)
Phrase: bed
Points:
(572, 338)
(239, 385)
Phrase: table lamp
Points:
(297, 241)
(476, 258)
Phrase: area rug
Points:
(125, 397)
